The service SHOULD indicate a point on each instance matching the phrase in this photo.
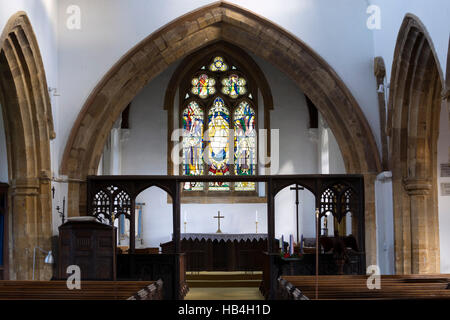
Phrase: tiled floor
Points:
(238, 293)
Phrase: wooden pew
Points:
(90, 290)
(355, 287)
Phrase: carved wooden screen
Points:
(112, 200)
(342, 203)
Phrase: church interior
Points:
(224, 150)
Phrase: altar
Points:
(221, 251)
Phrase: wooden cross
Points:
(297, 188)
(218, 217)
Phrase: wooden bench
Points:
(90, 290)
(355, 287)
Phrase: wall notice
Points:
(445, 189)
(445, 170)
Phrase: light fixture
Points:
(48, 259)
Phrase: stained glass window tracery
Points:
(218, 151)
(193, 143)
(244, 144)
(203, 86)
(219, 101)
(234, 86)
(218, 65)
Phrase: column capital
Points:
(414, 186)
(384, 176)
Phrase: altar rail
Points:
(334, 194)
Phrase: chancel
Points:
(201, 149)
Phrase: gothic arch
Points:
(25, 103)
(220, 21)
(414, 108)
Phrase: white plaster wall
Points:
(385, 223)
(433, 14)
(444, 201)
(337, 165)
(109, 28)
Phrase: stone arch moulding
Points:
(221, 21)
(28, 123)
(414, 109)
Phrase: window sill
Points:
(214, 199)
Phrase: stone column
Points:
(422, 227)
(115, 151)
(370, 225)
(32, 228)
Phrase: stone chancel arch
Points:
(25, 103)
(221, 21)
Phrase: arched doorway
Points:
(414, 108)
(28, 124)
(232, 24)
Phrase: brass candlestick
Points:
(113, 217)
(317, 253)
(218, 217)
(185, 223)
(256, 223)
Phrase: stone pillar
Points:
(423, 249)
(32, 228)
(115, 151)
(76, 204)
(385, 222)
(370, 219)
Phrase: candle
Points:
(256, 216)
(291, 245)
(185, 214)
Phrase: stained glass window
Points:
(209, 114)
(244, 144)
(203, 86)
(218, 131)
(218, 65)
(234, 86)
(193, 144)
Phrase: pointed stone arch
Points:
(414, 109)
(26, 108)
(221, 21)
